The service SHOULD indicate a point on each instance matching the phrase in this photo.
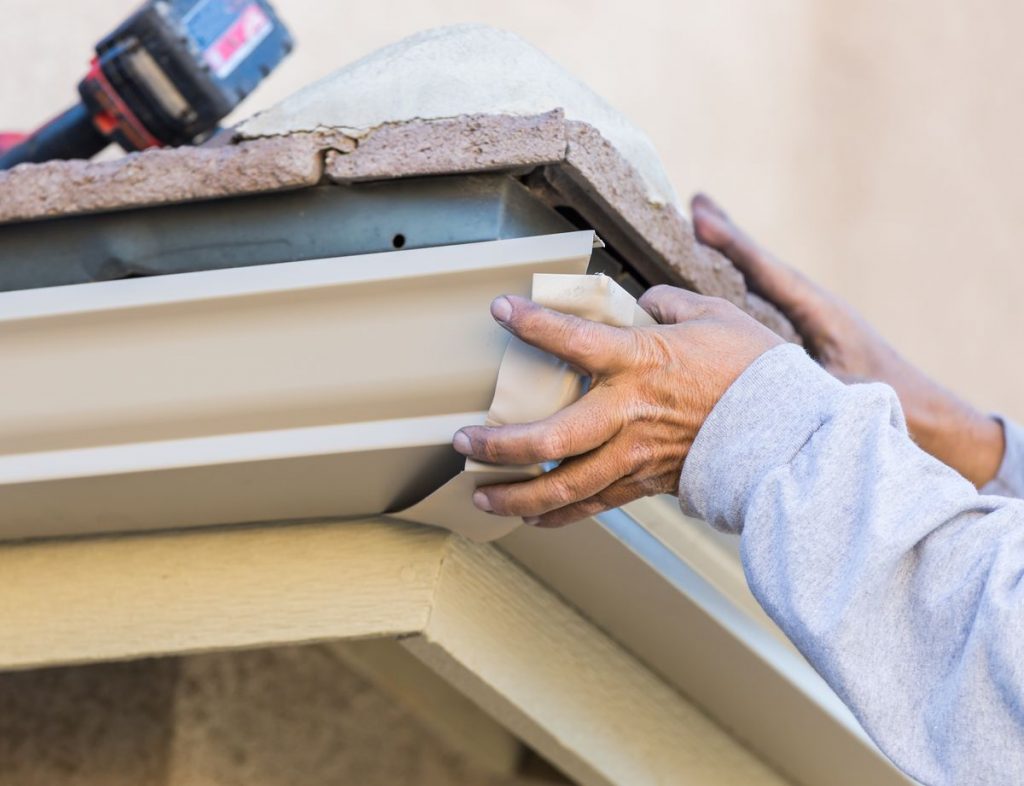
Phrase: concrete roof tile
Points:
(476, 143)
(60, 188)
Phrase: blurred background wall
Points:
(876, 145)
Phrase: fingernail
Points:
(531, 521)
(501, 309)
(461, 443)
(481, 501)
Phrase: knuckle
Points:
(653, 349)
(658, 292)
(642, 410)
(640, 455)
(584, 338)
(657, 300)
(721, 308)
(556, 443)
(706, 305)
(563, 491)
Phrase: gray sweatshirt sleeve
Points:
(898, 581)
(1010, 480)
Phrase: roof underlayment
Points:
(414, 109)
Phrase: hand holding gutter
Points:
(651, 389)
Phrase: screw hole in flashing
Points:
(398, 241)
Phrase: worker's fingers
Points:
(579, 428)
(767, 276)
(615, 496)
(714, 228)
(672, 305)
(590, 346)
(573, 481)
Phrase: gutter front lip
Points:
(279, 277)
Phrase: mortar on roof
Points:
(453, 71)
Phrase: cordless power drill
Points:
(166, 76)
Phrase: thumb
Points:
(672, 305)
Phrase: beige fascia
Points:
(533, 664)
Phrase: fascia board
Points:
(84, 600)
(523, 656)
(545, 672)
(321, 388)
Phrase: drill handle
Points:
(69, 135)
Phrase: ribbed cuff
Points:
(762, 421)
(1009, 481)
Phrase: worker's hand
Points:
(849, 348)
(651, 390)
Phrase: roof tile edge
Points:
(575, 159)
(471, 143)
(32, 192)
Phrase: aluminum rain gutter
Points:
(320, 388)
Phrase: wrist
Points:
(960, 436)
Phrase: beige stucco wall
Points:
(876, 144)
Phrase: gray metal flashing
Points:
(318, 222)
(581, 171)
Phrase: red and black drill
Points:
(166, 76)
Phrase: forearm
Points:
(892, 575)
